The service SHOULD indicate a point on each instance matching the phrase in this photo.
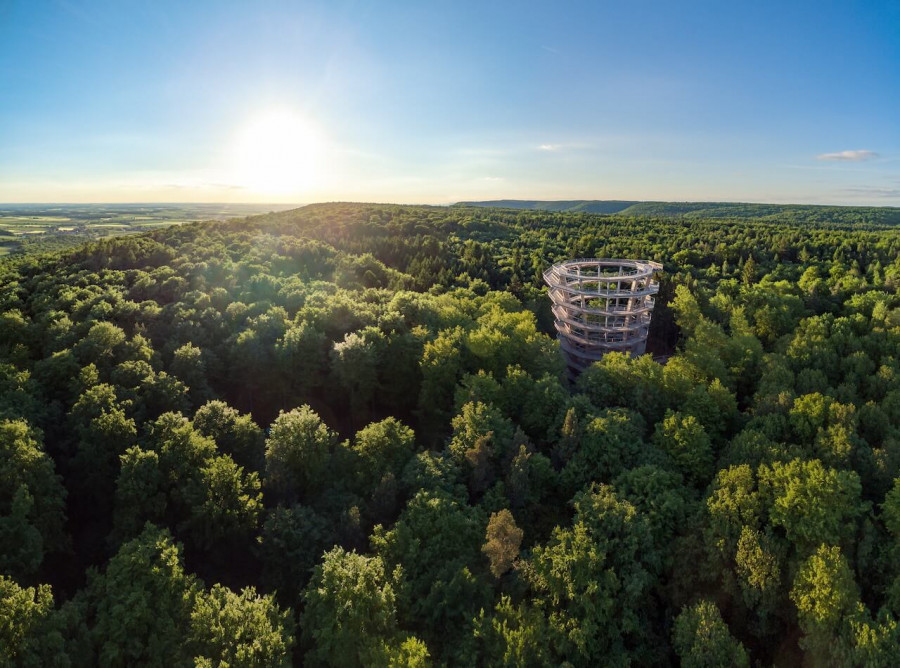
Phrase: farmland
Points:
(26, 228)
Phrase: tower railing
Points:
(601, 305)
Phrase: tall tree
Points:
(702, 639)
(298, 450)
(502, 541)
(350, 608)
(32, 500)
(29, 632)
(244, 629)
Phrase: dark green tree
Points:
(703, 640)
(32, 500)
(29, 632)
(350, 609)
(298, 450)
(244, 629)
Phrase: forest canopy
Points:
(342, 435)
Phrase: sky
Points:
(436, 102)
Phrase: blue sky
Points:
(441, 101)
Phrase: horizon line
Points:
(444, 204)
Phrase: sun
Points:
(277, 153)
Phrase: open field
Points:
(30, 227)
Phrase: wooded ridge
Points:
(342, 435)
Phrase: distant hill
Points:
(583, 205)
(794, 213)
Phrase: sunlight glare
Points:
(277, 153)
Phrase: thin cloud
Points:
(224, 186)
(549, 147)
(874, 192)
(848, 156)
(203, 185)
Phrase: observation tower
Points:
(601, 305)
